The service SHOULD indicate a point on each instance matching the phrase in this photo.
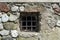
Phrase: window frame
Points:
(37, 22)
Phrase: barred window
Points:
(29, 21)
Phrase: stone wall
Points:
(29, 0)
(10, 26)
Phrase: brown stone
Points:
(4, 7)
(57, 10)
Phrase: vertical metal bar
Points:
(21, 24)
(31, 23)
(26, 22)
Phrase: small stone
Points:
(5, 17)
(14, 33)
(12, 17)
(4, 32)
(55, 6)
(14, 8)
(1, 26)
(22, 8)
(58, 23)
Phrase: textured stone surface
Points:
(28, 34)
(48, 22)
(58, 23)
(10, 25)
(14, 33)
(29, 0)
(1, 26)
(31, 38)
(14, 8)
(5, 17)
(7, 38)
(4, 7)
(4, 32)
(22, 8)
(12, 17)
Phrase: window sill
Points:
(29, 34)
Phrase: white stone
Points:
(5, 18)
(22, 8)
(12, 17)
(4, 32)
(1, 26)
(58, 23)
(14, 33)
(55, 6)
(14, 8)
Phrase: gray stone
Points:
(14, 33)
(5, 17)
(27, 35)
(1, 26)
(14, 8)
(17, 14)
(22, 8)
(4, 32)
(12, 17)
(48, 5)
(7, 38)
(51, 21)
(10, 26)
